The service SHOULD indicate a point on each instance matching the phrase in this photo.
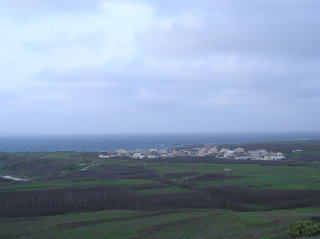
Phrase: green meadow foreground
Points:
(78, 195)
(175, 224)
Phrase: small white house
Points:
(104, 156)
(138, 156)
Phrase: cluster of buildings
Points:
(207, 150)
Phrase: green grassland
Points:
(174, 224)
(255, 175)
(35, 185)
(252, 175)
(30, 166)
(65, 169)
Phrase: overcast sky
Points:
(154, 66)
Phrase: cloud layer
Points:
(147, 66)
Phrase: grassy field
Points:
(168, 224)
(252, 175)
(46, 171)
(35, 185)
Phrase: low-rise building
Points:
(138, 156)
(239, 150)
(104, 156)
(206, 150)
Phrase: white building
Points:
(228, 154)
(138, 156)
(151, 156)
(104, 156)
(258, 154)
(277, 157)
(239, 150)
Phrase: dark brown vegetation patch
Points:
(148, 186)
(315, 219)
(179, 175)
(95, 198)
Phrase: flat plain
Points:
(174, 198)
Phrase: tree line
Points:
(95, 198)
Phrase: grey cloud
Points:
(242, 65)
(47, 6)
(276, 29)
(190, 85)
(263, 7)
(92, 40)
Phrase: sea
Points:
(101, 143)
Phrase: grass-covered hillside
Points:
(165, 224)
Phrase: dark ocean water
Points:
(131, 142)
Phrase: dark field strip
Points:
(97, 198)
(179, 175)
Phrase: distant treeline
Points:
(81, 199)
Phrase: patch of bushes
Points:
(53, 201)
(303, 228)
(270, 199)
(94, 198)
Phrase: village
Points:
(206, 150)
